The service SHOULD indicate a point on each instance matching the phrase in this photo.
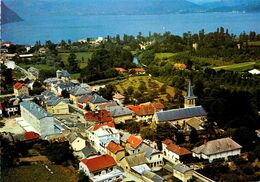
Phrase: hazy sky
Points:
(202, 1)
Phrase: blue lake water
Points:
(56, 28)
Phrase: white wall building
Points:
(101, 136)
(217, 149)
(38, 118)
(101, 168)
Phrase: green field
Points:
(39, 173)
(237, 67)
(164, 56)
(256, 43)
(82, 58)
(122, 85)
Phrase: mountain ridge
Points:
(8, 15)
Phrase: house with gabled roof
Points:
(182, 172)
(145, 112)
(174, 153)
(83, 101)
(121, 70)
(100, 136)
(63, 74)
(99, 116)
(101, 168)
(217, 149)
(128, 162)
(154, 157)
(139, 71)
(77, 92)
(119, 98)
(95, 101)
(20, 88)
(56, 105)
(115, 150)
(76, 141)
(58, 88)
(120, 114)
(106, 105)
(134, 144)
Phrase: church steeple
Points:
(190, 99)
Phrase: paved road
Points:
(6, 95)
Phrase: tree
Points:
(72, 63)
(164, 131)
(133, 127)
(148, 133)
(59, 153)
(107, 92)
(130, 90)
(163, 89)
(244, 137)
(194, 137)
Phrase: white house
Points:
(154, 158)
(101, 135)
(216, 149)
(76, 141)
(134, 144)
(101, 168)
(174, 153)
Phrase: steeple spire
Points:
(189, 100)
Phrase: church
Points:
(190, 116)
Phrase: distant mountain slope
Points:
(233, 5)
(87, 7)
(7, 15)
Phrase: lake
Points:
(56, 28)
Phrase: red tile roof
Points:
(180, 66)
(18, 85)
(137, 70)
(114, 147)
(111, 124)
(98, 116)
(118, 96)
(31, 135)
(178, 150)
(167, 142)
(99, 163)
(120, 69)
(146, 109)
(134, 141)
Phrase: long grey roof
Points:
(181, 168)
(47, 93)
(65, 85)
(117, 111)
(154, 177)
(53, 100)
(217, 146)
(97, 99)
(176, 114)
(77, 91)
(35, 109)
